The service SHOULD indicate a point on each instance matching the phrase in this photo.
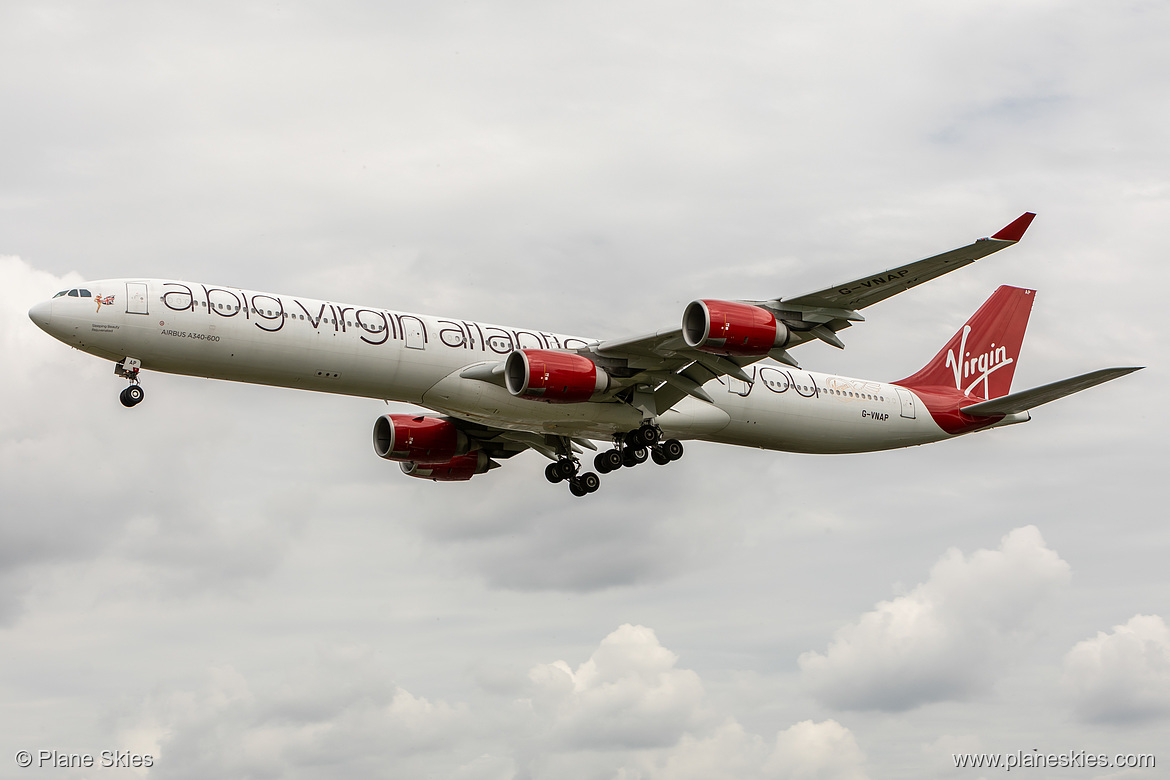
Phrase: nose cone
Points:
(41, 314)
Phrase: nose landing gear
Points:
(128, 369)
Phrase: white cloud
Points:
(804, 751)
(946, 638)
(627, 695)
(340, 712)
(626, 712)
(1123, 675)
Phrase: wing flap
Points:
(1030, 399)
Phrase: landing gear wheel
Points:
(610, 460)
(659, 456)
(672, 448)
(646, 436)
(566, 468)
(634, 456)
(552, 474)
(589, 482)
(132, 396)
(576, 488)
(601, 464)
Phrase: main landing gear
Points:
(568, 468)
(629, 450)
(635, 447)
(128, 369)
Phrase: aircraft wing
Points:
(1030, 399)
(868, 290)
(663, 358)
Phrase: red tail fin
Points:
(980, 359)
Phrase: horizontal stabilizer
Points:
(1030, 399)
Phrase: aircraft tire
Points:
(659, 456)
(589, 482)
(576, 488)
(673, 448)
(131, 396)
(566, 468)
(634, 455)
(552, 474)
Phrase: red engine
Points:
(555, 377)
(729, 328)
(418, 438)
(457, 469)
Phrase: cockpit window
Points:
(73, 293)
(85, 293)
(63, 292)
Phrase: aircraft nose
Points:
(41, 314)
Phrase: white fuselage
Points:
(290, 341)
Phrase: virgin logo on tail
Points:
(980, 366)
(980, 359)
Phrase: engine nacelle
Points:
(457, 469)
(730, 328)
(418, 438)
(555, 377)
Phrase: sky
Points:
(226, 579)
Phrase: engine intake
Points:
(730, 328)
(457, 469)
(418, 438)
(554, 377)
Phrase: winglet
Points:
(1015, 231)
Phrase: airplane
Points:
(725, 374)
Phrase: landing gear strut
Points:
(128, 369)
